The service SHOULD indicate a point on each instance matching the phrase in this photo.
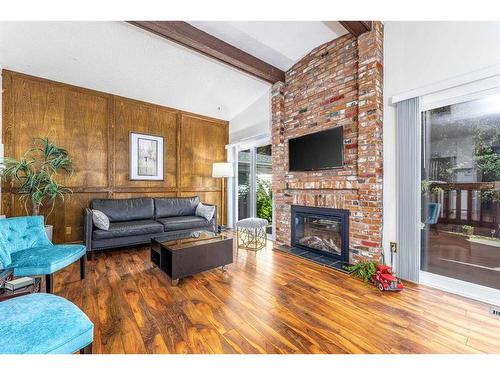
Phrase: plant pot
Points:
(49, 229)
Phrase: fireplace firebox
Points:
(321, 230)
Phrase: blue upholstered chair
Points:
(44, 324)
(433, 210)
(25, 248)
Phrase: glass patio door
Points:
(254, 185)
(263, 185)
(460, 191)
(244, 185)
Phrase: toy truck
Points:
(385, 280)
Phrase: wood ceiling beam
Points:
(357, 28)
(189, 36)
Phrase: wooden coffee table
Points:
(190, 253)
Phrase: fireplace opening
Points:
(322, 230)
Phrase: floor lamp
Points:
(223, 171)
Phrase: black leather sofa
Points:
(135, 221)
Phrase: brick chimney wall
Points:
(339, 83)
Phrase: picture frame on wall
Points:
(146, 157)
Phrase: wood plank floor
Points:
(268, 302)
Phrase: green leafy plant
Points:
(34, 175)
(427, 187)
(468, 229)
(264, 200)
(363, 270)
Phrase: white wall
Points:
(418, 54)
(254, 120)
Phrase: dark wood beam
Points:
(357, 28)
(202, 42)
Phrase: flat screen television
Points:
(321, 150)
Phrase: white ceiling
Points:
(121, 59)
(279, 43)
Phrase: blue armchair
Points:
(433, 211)
(25, 248)
(42, 323)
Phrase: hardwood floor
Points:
(269, 302)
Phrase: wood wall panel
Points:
(94, 127)
(86, 131)
(73, 119)
(200, 148)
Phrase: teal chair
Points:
(433, 211)
(44, 324)
(25, 248)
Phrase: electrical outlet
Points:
(394, 247)
(68, 230)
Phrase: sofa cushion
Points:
(42, 323)
(44, 260)
(183, 222)
(169, 207)
(125, 209)
(129, 228)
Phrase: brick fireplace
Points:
(337, 84)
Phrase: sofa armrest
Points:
(213, 222)
(88, 226)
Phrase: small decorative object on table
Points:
(19, 283)
(251, 233)
(7, 292)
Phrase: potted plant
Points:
(363, 270)
(34, 176)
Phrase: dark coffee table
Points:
(186, 254)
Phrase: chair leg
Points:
(82, 267)
(49, 283)
(87, 349)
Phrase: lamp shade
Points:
(222, 170)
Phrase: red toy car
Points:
(385, 280)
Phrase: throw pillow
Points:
(100, 219)
(205, 211)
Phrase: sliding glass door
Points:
(244, 184)
(263, 187)
(460, 191)
(254, 189)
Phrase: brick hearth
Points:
(336, 84)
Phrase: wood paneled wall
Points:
(94, 127)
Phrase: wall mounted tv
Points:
(321, 150)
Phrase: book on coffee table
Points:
(19, 283)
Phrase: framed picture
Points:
(146, 157)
